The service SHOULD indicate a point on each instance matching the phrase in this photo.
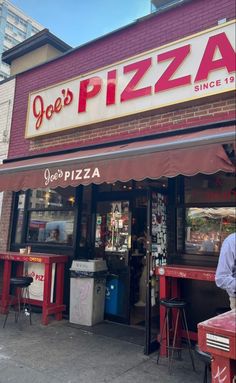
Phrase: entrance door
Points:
(113, 242)
(138, 265)
(156, 254)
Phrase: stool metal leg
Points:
(21, 293)
(6, 316)
(5, 320)
(17, 313)
(168, 332)
(164, 327)
(185, 325)
(174, 341)
(12, 299)
(27, 297)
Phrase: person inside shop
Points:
(142, 242)
(207, 244)
(142, 246)
(54, 236)
(225, 277)
(134, 243)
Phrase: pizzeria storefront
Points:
(131, 162)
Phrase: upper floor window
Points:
(34, 30)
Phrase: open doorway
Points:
(138, 271)
(120, 238)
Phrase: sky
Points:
(79, 21)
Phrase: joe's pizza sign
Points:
(191, 68)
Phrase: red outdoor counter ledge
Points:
(169, 277)
(218, 337)
(48, 308)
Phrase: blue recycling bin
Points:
(114, 300)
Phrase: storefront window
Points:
(208, 212)
(20, 216)
(161, 183)
(116, 186)
(51, 215)
(51, 227)
(45, 216)
(50, 198)
(131, 185)
(206, 228)
(217, 188)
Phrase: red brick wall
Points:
(149, 33)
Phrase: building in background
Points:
(48, 47)
(15, 27)
(7, 89)
(163, 5)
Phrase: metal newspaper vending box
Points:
(87, 291)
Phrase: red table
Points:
(218, 337)
(169, 277)
(48, 308)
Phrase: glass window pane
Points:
(180, 229)
(116, 186)
(85, 223)
(20, 217)
(159, 184)
(52, 199)
(113, 226)
(51, 227)
(206, 228)
(214, 188)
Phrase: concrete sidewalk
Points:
(59, 353)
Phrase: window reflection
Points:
(50, 198)
(51, 216)
(217, 188)
(20, 217)
(206, 228)
(50, 227)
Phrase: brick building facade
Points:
(146, 34)
(194, 116)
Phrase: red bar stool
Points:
(20, 286)
(178, 305)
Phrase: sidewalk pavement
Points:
(60, 353)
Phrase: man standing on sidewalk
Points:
(226, 270)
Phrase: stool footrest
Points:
(179, 309)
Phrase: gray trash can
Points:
(87, 291)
